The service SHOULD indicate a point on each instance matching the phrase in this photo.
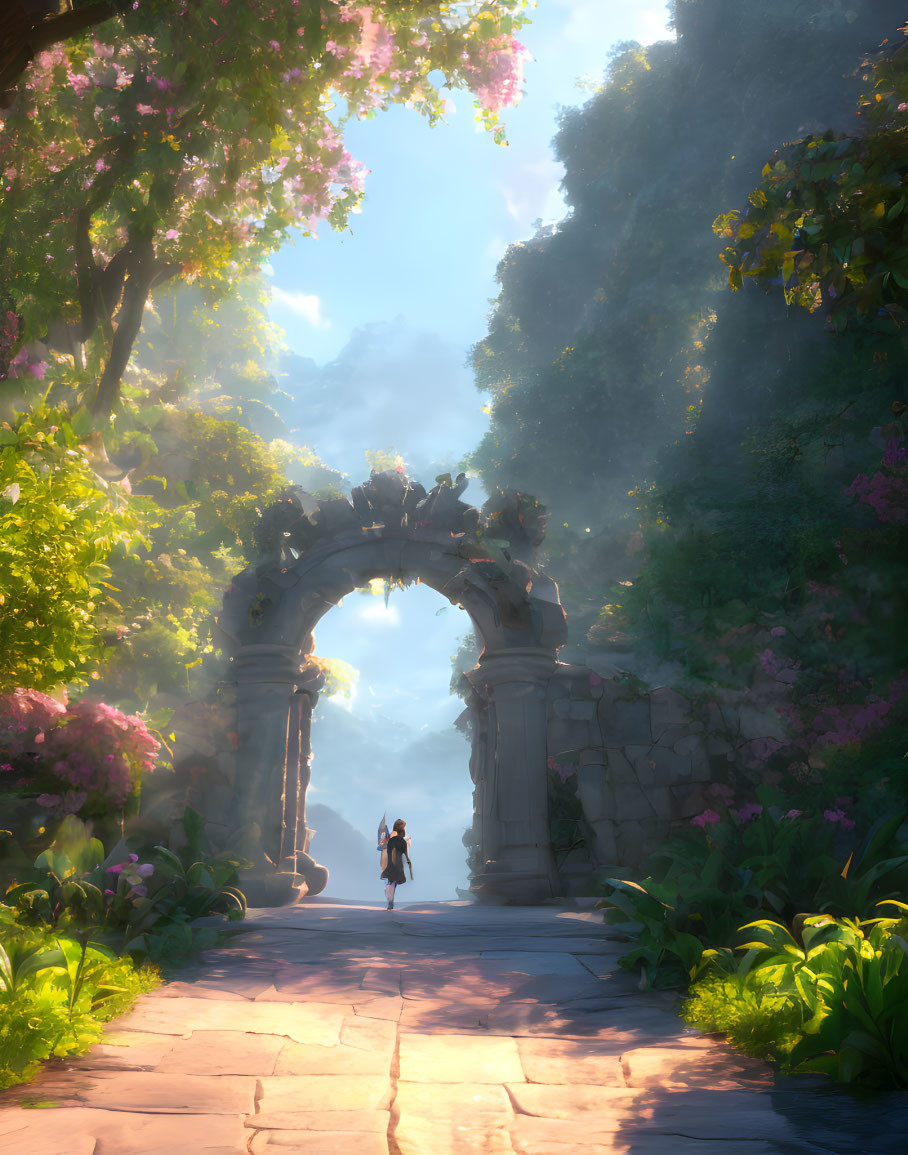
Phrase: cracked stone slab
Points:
(571, 1061)
(315, 1092)
(150, 1091)
(304, 1022)
(452, 1119)
(125, 1051)
(459, 1059)
(602, 1108)
(379, 1007)
(694, 1063)
(306, 1059)
(223, 1053)
(348, 1121)
(718, 1115)
(536, 962)
(317, 1143)
(534, 1136)
(89, 1131)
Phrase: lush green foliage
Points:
(832, 997)
(703, 884)
(187, 142)
(144, 904)
(56, 992)
(59, 523)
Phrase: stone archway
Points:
(313, 553)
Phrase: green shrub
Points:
(56, 991)
(830, 997)
(704, 884)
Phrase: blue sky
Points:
(443, 204)
(441, 207)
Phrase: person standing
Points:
(398, 849)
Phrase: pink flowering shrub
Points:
(84, 759)
(887, 491)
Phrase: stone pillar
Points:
(274, 706)
(518, 865)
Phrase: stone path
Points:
(434, 1029)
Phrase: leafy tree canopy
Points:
(187, 140)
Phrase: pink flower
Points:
(778, 631)
(48, 800)
(793, 814)
(833, 815)
(751, 810)
(720, 790)
(707, 818)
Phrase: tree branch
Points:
(141, 269)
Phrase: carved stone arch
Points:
(395, 531)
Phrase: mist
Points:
(391, 747)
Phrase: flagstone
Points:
(570, 1061)
(126, 1050)
(348, 1121)
(534, 1136)
(536, 962)
(224, 1053)
(90, 1131)
(198, 990)
(376, 1035)
(719, 1115)
(451, 1119)
(609, 1107)
(154, 1092)
(308, 1059)
(317, 1143)
(379, 1007)
(706, 1064)
(324, 1092)
(304, 1022)
(442, 1058)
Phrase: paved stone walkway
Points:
(434, 1029)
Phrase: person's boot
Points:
(391, 904)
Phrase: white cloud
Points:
(588, 19)
(305, 305)
(376, 613)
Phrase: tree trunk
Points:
(140, 273)
(23, 35)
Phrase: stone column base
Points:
(511, 889)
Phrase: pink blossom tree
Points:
(186, 140)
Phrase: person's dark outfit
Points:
(394, 871)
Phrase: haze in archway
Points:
(392, 747)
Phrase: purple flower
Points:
(751, 810)
(146, 870)
(833, 815)
(707, 818)
(793, 814)
(778, 631)
(48, 799)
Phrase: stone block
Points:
(458, 1058)
(313, 1092)
(666, 766)
(661, 802)
(561, 708)
(667, 708)
(631, 803)
(606, 841)
(625, 720)
(583, 711)
(223, 1053)
(452, 1119)
(569, 1061)
(638, 839)
(594, 792)
(318, 1142)
(688, 799)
